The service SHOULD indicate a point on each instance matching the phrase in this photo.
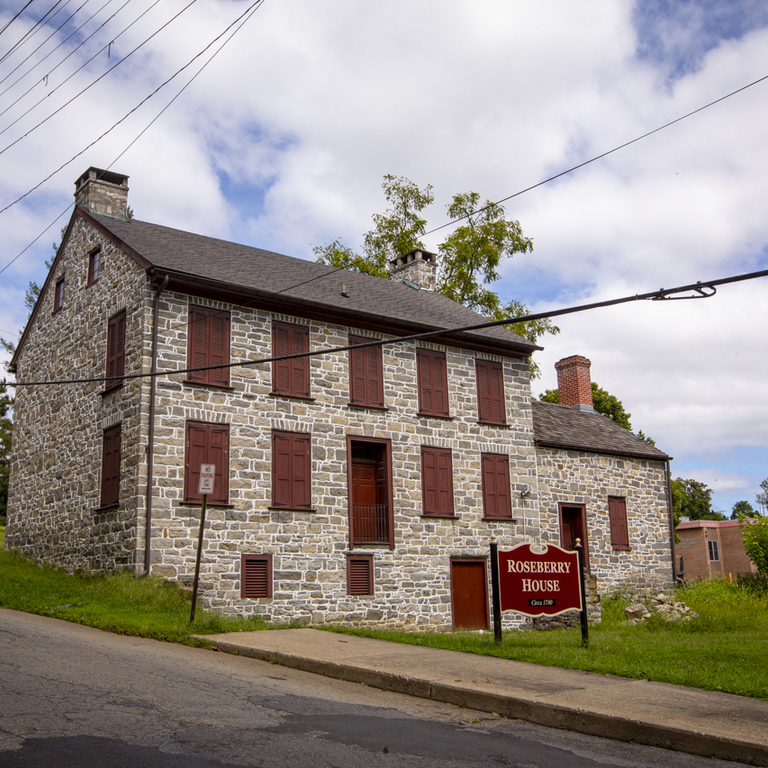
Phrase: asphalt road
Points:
(71, 696)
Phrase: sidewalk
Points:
(657, 714)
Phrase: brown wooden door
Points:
(469, 594)
(573, 526)
(364, 501)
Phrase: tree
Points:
(6, 406)
(762, 497)
(604, 402)
(469, 257)
(755, 535)
(693, 500)
(742, 509)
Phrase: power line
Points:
(698, 290)
(599, 157)
(31, 31)
(18, 13)
(24, 250)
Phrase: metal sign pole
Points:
(584, 622)
(495, 594)
(199, 554)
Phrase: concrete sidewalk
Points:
(657, 714)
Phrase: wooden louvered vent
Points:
(256, 576)
(360, 575)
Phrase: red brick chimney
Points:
(574, 382)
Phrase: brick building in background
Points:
(359, 486)
(712, 549)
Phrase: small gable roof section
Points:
(560, 426)
(250, 276)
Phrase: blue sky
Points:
(283, 140)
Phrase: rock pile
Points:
(661, 605)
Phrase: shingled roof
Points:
(561, 426)
(260, 278)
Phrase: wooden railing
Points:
(370, 524)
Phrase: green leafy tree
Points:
(692, 499)
(742, 509)
(607, 404)
(470, 256)
(755, 535)
(6, 407)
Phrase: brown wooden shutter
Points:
(115, 350)
(208, 344)
(490, 392)
(207, 444)
(110, 466)
(359, 574)
(495, 482)
(291, 470)
(437, 481)
(617, 515)
(433, 384)
(255, 576)
(366, 386)
(290, 377)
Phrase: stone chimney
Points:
(417, 269)
(104, 192)
(574, 382)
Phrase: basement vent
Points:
(256, 576)
(360, 574)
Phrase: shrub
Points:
(755, 534)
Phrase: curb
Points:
(549, 715)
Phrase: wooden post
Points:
(584, 622)
(495, 594)
(199, 554)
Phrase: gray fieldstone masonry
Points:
(54, 500)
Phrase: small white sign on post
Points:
(207, 477)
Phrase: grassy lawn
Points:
(118, 602)
(724, 649)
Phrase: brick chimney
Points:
(417, 268)
(574, 382)
(103, 192)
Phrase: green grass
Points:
(117, 602)
(724, 649)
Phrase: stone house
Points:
(712, 549)
(358, 485)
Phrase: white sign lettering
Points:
(533, 566)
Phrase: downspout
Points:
(671, 523)
(151, 435)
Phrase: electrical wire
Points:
(88, 87)
(600, 156)
(24, 250)
(18, 13)
(697, 290)
(72, 53)
(31, 31)
(254, 5)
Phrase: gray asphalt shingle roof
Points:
(560, 426)
(304, 282)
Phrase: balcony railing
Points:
(370, 524)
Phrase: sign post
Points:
(207, 479)
(536, 580)
(584, 622)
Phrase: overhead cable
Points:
(31, 31)
(18, 13)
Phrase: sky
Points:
(283, 138)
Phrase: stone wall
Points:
(412, 582)
(55, 481)
(577, 477)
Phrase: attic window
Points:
(58, 296)
(94, 266)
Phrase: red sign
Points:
(539, 579)
(207, 478)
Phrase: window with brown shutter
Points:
(115, 352)
(359, 574)
(255, 576)
(437, 482)
(497, 504)
(291, 470)
(94, 266)
(208, 344)
(433, 382)
(207, 444)
(58, 295)
(110, 467)
(366, 376)
(290, 377)
(490, 392)
(617, 515)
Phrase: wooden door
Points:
(469, 594)
(573, 525)
(364, 501)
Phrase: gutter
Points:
(671, 524)
(151, 435)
